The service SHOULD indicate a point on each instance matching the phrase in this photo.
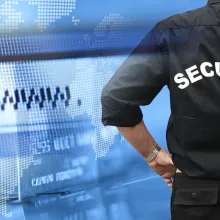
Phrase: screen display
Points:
(51, 136)
(51, 113)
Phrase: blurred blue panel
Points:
(108, 42)
(46, 16)
(143, 199)
(101, 25)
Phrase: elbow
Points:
(104, 96)
(109, 101)
(118, 113)
(105, 104)
(110, 108)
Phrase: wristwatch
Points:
(153, 154)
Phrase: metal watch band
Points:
(153, 155)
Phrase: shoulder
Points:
(182, 20)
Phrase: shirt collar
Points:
(213, 2)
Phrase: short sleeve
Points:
(136, 83)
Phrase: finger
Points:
(171, 186)
(168, 181)
(168, 175)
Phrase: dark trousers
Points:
(195, 199)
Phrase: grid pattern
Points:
(96, 73)
(51, 10)
(10, 19)
(108, 34)
(48, 12)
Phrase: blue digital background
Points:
(46, 16)
(66, 148)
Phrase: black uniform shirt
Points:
(182, 52)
